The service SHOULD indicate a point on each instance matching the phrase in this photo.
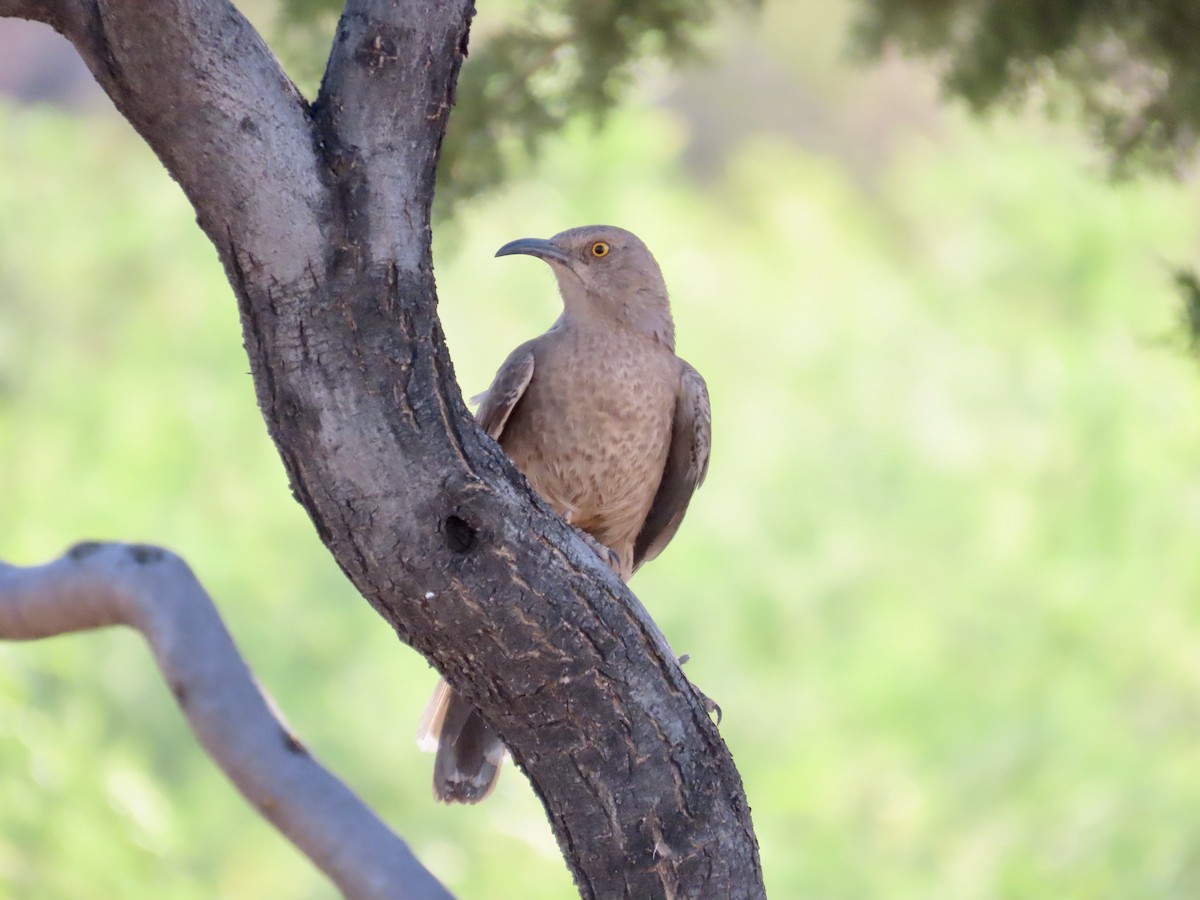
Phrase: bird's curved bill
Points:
(538, 247)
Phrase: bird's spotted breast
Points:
(593, 429)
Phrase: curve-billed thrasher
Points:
(606, 423)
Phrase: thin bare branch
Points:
(154, 591)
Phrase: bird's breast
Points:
(592, 431)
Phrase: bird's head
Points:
(607, 271)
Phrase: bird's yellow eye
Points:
(599, 249)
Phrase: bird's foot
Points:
(607, 554)
(710, 706)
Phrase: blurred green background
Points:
(942, 577)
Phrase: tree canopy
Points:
(1131, 71)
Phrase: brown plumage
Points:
(606, 423)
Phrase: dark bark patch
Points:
(379, 46)
(83, 550)
(291, 744)
(144, 555)
(464, 36)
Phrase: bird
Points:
(606, 423)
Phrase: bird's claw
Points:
(710, 706)
(607, 554)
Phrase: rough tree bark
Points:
(320, 215)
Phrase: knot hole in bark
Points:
(460, 536)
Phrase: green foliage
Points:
(531, 66)
(1131, 70)
(941, 579)
(523, 81)
(1188, 284)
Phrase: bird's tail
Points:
(469, 752)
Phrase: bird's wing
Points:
(687, 464)
(498, 401)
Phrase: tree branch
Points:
(384, 92)
(153, 591)
(198, 83)
(422, 511)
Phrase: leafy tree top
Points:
(1131, 71)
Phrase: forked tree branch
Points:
(154, 592)
(321, 217)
